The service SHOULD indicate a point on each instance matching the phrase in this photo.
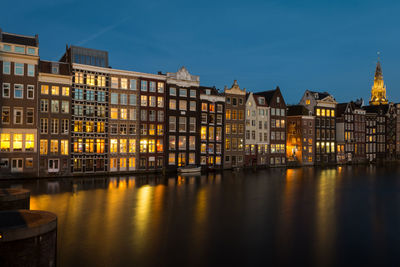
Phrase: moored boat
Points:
(189, 169)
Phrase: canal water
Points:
(344, 216)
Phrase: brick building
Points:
(323, 107)
(183, 119)
(300, 136)
(19, 60)
(235, 107)
(212, 106)
(277, 151)
(54, 94)
(350, 132)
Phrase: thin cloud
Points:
(103, 31)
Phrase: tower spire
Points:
(378, 91)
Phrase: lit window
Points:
(53, 146)
(113, 146)
(132, 145)
(114, 113)
(152, 146)
(65, 91)
(160, 87)
(29, 142)
(171, 159)
(124, 114)
(64, 147)
(122, 146)
(5, 142)
(5, 115)
(17, 142)
(124, 83)
(43, 147)
(114, 82)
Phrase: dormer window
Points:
(54, 68)
(277, 99)
(316, 95)
(261, 101)
(208, 92)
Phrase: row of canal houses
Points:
(79, 116)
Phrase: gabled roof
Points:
(320, 95)
(19, 39)
(213, 90)
(341, 109)
(268, 95)
(297, 110)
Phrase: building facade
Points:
(54, 95)
(277, 105)
(235, 107)
(183, 119)
(19, 61)
(257, 128)
(300, 136)
(323, 107)
(350, 133)
(371, 136)
(212, 120)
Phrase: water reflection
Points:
(307, 216)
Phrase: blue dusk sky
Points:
(318, 45)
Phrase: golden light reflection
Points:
(142, 215)
(325, 216)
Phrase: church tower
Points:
(378, 91)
